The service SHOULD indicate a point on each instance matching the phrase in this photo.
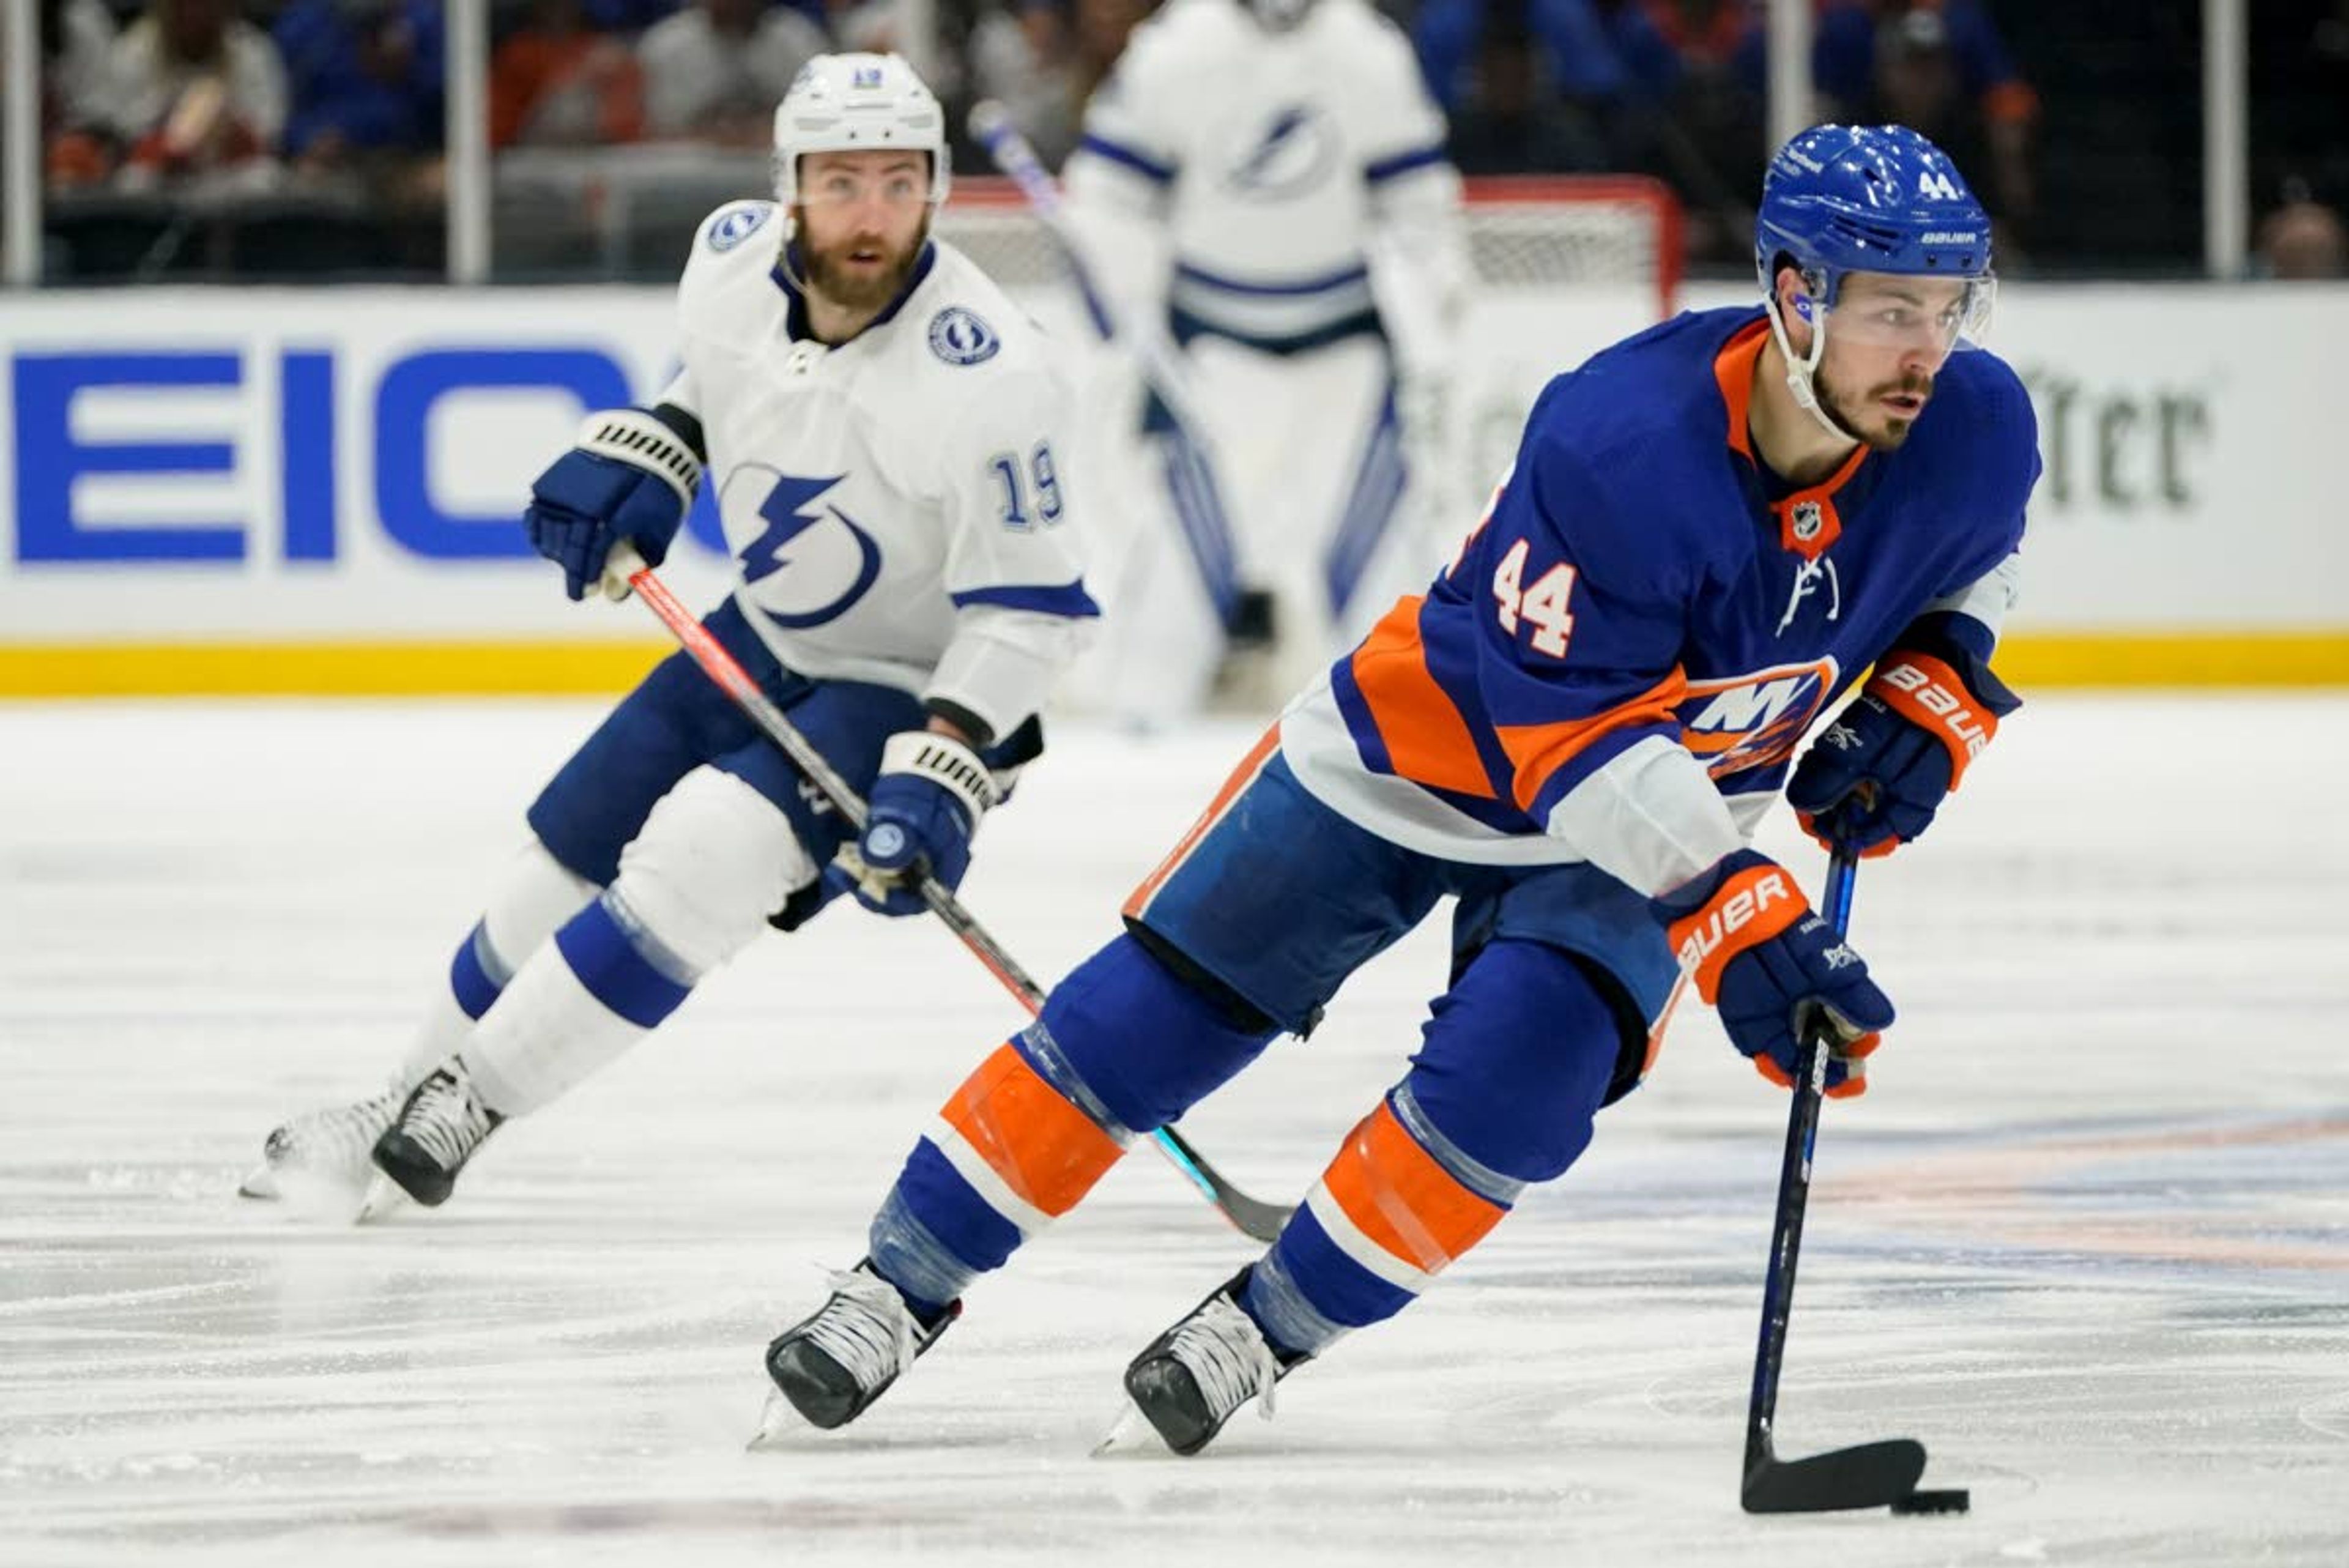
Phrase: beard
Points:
(1866, 418)
(829, 272)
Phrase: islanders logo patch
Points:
(1755, 720)
(960, 338)
(735, 225)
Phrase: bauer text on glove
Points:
(1772, 968)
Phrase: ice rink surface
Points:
(2087, 1237)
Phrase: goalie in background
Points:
(1712, 530)
(881, 432)
(1268, 177)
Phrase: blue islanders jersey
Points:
(1623, 658)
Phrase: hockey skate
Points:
(320, 1158)
(439, 1130)
(830, 1366)
(1195, 1376)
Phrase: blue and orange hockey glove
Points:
(1771, 967)
(1875, 779)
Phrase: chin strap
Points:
(1802, 369)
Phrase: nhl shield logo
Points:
(1807, 521)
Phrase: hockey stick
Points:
(1252, 1216)
(1191, 465)
(1871, 1475)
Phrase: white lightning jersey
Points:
(1280, 166)
(896, 506)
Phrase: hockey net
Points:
(1526, 235)
(1564, 264)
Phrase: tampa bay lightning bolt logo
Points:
(832, 562)
(735, 225)
(960, 338)
(1290, 154)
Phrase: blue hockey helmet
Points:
(1840, 198)
(1869, 198)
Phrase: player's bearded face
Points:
(861, 219)
(1886, 338)
(1881, 404)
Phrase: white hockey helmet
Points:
(856, 103)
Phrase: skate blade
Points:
(384, 1197)
(1130, 1433)
(778, 1424)
(309, 1195)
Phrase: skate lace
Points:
(1227, 1356)
(866, 1327)
(447, 1119)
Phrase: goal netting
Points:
(1532, 235)
(1564, 265)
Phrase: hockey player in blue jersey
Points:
(1710, 532)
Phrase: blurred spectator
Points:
(368, 78)
(1024, 58)
(1698, 109)
(2304, 240)
(715, 70)
(630, 15)
(76, 36)
(875, 27)
(1570, 44)
(1938, 66)
(1101, 28)
(558, 82)
(1511, 121)
(193, 90)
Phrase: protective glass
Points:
(1897, 311)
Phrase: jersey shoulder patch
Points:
(960, 335)
(733, 224)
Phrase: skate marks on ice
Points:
(2084, 1237)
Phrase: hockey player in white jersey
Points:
(881, 429)
(1268, 178)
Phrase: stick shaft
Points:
(1794, 1194)
(1257, 1219)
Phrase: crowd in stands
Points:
(341, 101)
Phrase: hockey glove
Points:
(925, 804)
(1874, 780)
(1772, 968)
(631, 477)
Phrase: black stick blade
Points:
(1252, 1217)
(1873, 1475)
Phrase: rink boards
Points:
(315, 491)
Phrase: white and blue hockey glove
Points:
(926, 804)
(1771, 967)
(631, 478)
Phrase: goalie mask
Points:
(1840, 198)
(857, 103)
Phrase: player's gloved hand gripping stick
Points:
(625, 571)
